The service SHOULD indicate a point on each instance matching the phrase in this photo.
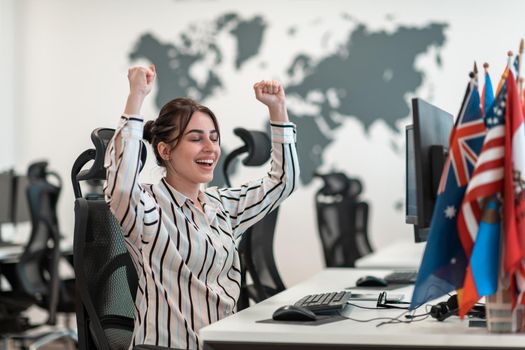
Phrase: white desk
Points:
(9, 253)
(399, 256)
(12, 253)
(240, 331)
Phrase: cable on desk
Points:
(411, 319)
(364, 307)
(390, 320)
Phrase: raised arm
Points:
(249, 203)
(129, 202)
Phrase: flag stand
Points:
(500, 316)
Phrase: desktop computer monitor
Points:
(6, 196)
(427, 141)
(21, 211)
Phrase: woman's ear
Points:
(164, 150)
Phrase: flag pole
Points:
(471, 75)
(505, 72)
(486, 69)
(518, 74)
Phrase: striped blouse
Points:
(186, 259)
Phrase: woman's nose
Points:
(208, 144)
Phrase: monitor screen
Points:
(427, 142)
(410, 173)
(21, 211)
(6, 197)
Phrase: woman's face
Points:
(197, 153)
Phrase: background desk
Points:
(241, 331)
(399, 256)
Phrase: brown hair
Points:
(173, 119)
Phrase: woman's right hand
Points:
(141, 80)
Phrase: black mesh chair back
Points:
(106, 278)
(342, 220)
(256, 251)
(256, 245)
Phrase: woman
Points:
(181, 237)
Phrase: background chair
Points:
(35, 275)
(256, 246)
(342, 220)
(106, 277)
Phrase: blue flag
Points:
(444, 261)
(488, 94)
(485, 255)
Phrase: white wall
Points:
(70, 77)
(8, 85)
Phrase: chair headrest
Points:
(258, 146)
(339, 183)
(37, 170)
(100, 138)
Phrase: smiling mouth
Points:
(205, 162)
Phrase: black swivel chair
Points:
(106, 277)
(256, 245)
(36, 273)
(342, 220)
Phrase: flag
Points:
(481, 239)
(484, 261)
(514, 196)
(487, 95)
(444, 262)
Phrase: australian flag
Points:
(444, 261)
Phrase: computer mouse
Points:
(293, 313)
(371, 281)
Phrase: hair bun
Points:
(147, 134)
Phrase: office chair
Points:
(342, 220)
(36, 274)
(256, 245)
(106, 278)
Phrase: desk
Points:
(399, 256)
(12, 253)
(240, 331)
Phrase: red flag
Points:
(514, 197)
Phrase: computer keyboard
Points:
(325, 302)
(401, 277)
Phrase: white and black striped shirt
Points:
(186, 259)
